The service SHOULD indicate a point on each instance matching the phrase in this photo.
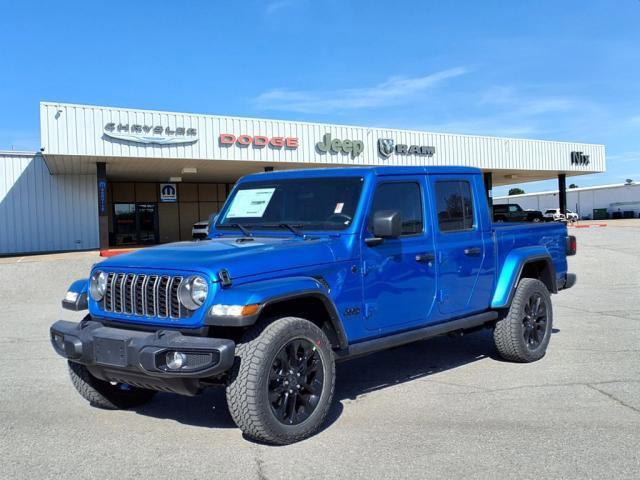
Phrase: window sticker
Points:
(339, 207)
(250, 203)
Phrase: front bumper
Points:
(139, 358)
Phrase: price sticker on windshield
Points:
(250, 203)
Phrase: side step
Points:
(369, 346)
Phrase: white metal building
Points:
(618, 198)
(118, 176)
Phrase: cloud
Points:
(273, 7)
(391, 92)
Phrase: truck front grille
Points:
(144, 295)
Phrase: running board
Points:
(390, 341)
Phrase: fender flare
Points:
(81, 301)
(512, 269)
(270, 292)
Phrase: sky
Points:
(553, 70)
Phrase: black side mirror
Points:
(385, 224)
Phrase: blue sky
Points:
(562, 70)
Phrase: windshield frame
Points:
(278, 226)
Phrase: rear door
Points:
(464, 246)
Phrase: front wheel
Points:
(524, 333)
(282, 384)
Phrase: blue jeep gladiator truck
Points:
(302, 269)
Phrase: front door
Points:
(399, 279)
(461, 247)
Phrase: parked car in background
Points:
(514, 213)
(555, 215)
(201, 229)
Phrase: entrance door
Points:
(147, 220)
(399, 276)
(135, 223)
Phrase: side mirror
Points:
(385, 224)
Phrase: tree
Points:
(516, 191)
(573, 185)
(629, 181)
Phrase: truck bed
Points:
(515, 235)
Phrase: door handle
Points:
(473, 251)
(425, 257)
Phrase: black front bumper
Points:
(139, 358)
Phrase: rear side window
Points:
(404, 197)
(455, 205)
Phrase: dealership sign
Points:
(168, 192)
(354, 147)
(257, 141)
(150, 134)
(388, 146)
(579, 158)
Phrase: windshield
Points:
(553, 210)
(312, 203)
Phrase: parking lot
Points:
(442, 408)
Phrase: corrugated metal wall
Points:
(43, 212)
(68, 129)
(582, 201)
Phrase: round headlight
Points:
(98, 285)
(193, 292)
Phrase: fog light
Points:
(58, 340)
(176, 360)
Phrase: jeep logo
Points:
(579, 158)
(354, 147)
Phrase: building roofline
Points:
(233, 117)
(18, 153)
(569, 190)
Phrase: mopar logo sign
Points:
(168, 192)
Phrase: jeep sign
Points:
(354, 147)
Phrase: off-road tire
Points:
(103, 394)
(247, 390)
(509, 332)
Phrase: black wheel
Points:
(282, 384)
(105, 394)
(524, 334)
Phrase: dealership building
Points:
(109, 177)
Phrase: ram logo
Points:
(386, 146)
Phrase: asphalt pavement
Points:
(442, 408)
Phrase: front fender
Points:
(267, 292)
(511, 270)
(76, 297)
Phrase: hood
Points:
(238, 256)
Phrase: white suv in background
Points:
(554, 214)
(200, 229)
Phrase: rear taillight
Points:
(572, 245)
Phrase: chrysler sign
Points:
(150, 134)
(387, 146)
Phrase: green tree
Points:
(516, 191)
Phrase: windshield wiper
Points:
(292, 228)
(244, 229)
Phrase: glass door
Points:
(147, 219)
(135, 223)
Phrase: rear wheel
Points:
(102, 394)
(282, 384)
(524, 334)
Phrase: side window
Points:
(404, 197)
(455, 205)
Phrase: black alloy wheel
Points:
(295, 382)
(534, 321)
